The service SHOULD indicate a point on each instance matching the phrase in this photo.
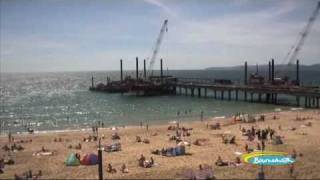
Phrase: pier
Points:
(255, 88)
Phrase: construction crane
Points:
(295, 49)
(156, 49)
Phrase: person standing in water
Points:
(201, 116)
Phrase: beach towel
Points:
(72, 160)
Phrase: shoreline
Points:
(187, 119)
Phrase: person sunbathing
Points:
(43, 149)
(115, 136)
(78, 146)
(124, 169)
(78, 156)
(138, 139)
(146, 141)
(157, 152)
(219, 162)
(147, 164)
(110, 169)
(141, 160)
(237, 162)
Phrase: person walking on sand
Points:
(291, 170)
(263, 144)
(9, 137)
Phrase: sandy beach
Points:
(304, 139)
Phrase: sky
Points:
(86, 35)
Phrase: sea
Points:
(56, 101)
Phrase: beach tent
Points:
(180, 150)
(72, 160)
(89, 159)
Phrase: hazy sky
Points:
(72, 35)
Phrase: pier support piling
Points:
(251, 96)
(199, 92)
(222, 95)
(298, 74)
(205, 92)
(306, 101)
(298, 100)
(317, 102)
(144, 69)
(309, 102)
(245, 73)
(92, 82)
(215, 94)
(272, 71)
(121, 71)
(313, 101)
(245, 95)
(137, 68)
(229, 95)
(237, 95)
(259, 97)
(192, 92)
(161, 70)
(268, 98)
(269, 69)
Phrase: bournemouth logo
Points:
(268, 158)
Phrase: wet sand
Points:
(304, 139)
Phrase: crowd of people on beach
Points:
(262, 135)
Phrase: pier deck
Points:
(263, 93)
